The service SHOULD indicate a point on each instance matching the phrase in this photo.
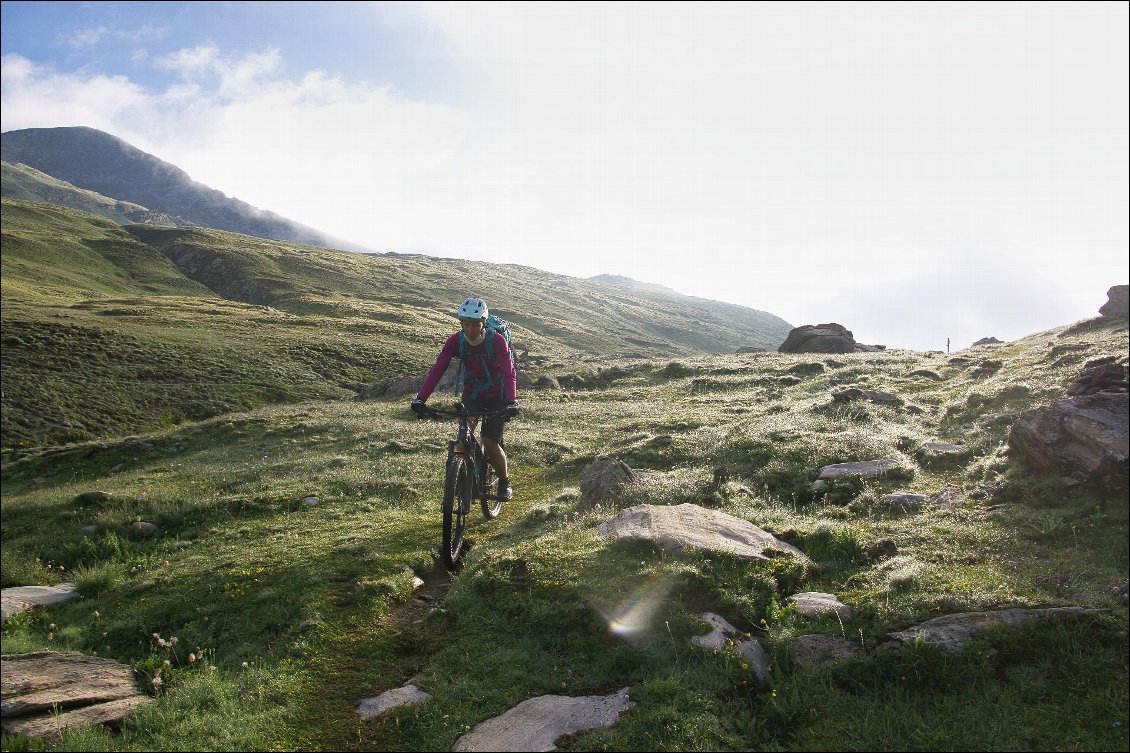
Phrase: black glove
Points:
(511, 410)
(418, 407)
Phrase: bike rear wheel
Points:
(458, 491)
(492, 505)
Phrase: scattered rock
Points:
(391, 699)
(143, 529)
(816, 604)
(536, 723)
(690, 526)
(91, 690)
(862, 469)
(547, 382)
(22, 598)
(954, 632)
(812, 651)
(750, 349)
(874, 396)
(722, 635)
(602, 480)
(905, 500)
(880, 549)
(92, 498)
(949, 498)
(310, 501)
(89, 531)
(987, 341)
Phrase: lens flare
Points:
(633, 615)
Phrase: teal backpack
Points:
(479, 385)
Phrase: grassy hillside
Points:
(111, 330)
(294, 613)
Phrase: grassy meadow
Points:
(287, 614)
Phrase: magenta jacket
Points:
(473, 363)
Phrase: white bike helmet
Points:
(473, 308)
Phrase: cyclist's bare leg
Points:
(496, 455)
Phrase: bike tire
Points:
(458, 490)
(492, 506)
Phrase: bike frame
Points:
(466, 460)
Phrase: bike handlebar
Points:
(459, 412)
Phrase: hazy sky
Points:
(912, 171)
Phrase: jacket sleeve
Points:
(435, 373)
(506, 367)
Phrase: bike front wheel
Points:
(492, 505)
(458, 492)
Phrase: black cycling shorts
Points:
(494, 425)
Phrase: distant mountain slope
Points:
(621, 281)
(96, 161)
(110, 329)
(27, 183)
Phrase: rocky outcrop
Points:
(1117, 304)
(987, 341)
(1083, 439)
(1102, 375)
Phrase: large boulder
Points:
(1117, 305)
(1084, 439)
(821, 338)
(690, 526)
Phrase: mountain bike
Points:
(469, 476)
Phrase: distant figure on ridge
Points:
(489, 379)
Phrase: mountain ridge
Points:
(97, 161)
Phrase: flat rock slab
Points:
(812, 651)
(88, 689)
(815, 604)
(22, 598)
(954, 632)
(686, 525)
(536, 723)
(862, 469)
(391, 699)
(942, 449)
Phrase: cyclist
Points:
(490, 382)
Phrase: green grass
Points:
(317, 601)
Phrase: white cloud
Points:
(910, 171)
(38, 97)
(88, 37)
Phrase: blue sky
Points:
(913, 171)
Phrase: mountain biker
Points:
(490, 384)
